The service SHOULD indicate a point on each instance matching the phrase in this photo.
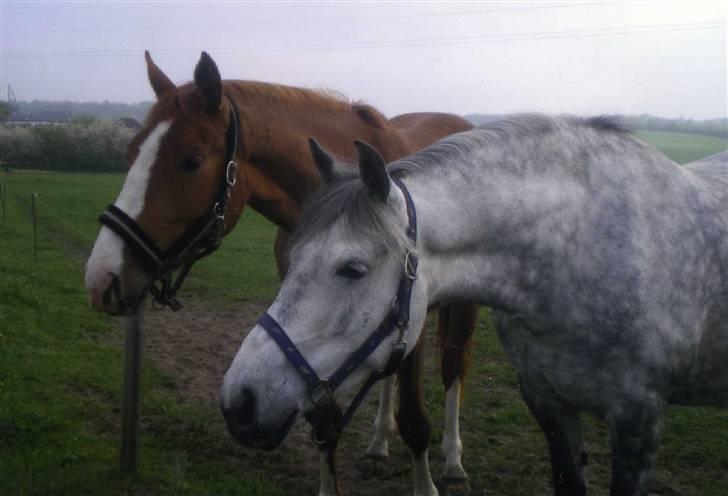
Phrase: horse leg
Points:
(456, 324)
(562, 427)
(636, 432)
(329, 484)
(414, 426)
(384, 425)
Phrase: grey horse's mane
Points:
(347, 197)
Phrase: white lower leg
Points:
(451, 446)
(423, 480)
(328, 480)
(384, 425)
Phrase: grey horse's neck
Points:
(500, 207)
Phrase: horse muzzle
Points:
(106, 294)
(247, 428)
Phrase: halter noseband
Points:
(201, 239)
(326, 419)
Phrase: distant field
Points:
(684, 148)
(60, 369)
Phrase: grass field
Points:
(684, 148)
(60, 369)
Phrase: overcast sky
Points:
(664, 58)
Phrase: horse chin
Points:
(280, 434)
(267, 441)
(127, 305)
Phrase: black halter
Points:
(201, 239)
(326, 419)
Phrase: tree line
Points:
(646, 122)
(85, 144)
(97, 143)
(43, 110)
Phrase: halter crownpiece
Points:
(326, 420)
(201, 239)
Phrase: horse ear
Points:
(207, 80)
(323, 160)
(159, 81)
(373, 171)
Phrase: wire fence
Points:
(48, 223)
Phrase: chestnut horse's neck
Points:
(275, 124)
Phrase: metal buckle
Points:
(411, 265)
(219, 211)
(321, 394)
(231, 173)
(399, 346)
(322, 434)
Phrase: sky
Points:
(663, 58)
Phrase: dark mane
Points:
(608, 123)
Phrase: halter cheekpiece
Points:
(201, 239)
(326, 420)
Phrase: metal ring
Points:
(231, 173)
(411, 271)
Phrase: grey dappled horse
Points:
(606, 262)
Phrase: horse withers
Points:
(606, 262)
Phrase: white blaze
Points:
(106, 256)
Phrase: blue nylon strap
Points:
(411, 262)
(289, 349)
(363, 351)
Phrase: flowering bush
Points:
(85, 144)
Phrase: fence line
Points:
(134, 327)
(64, 222)
(3, 195)
(33, 198)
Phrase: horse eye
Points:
(354, 269)
(191, 162)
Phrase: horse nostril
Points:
(245, 413)
(111, 290)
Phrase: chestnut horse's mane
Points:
(322, 99)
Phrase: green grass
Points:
(60, 367)
(684, 148)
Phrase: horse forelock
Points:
(347, 199)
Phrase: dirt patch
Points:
(194, 347)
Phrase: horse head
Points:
(178, 166)
(351, 290)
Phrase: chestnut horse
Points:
(177, 162)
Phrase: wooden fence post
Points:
(33, 198)
(3, 194)
(130, 402)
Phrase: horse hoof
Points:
(454, 473)
(450, 486)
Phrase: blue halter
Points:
(326, 419)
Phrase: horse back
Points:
(421, 129)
